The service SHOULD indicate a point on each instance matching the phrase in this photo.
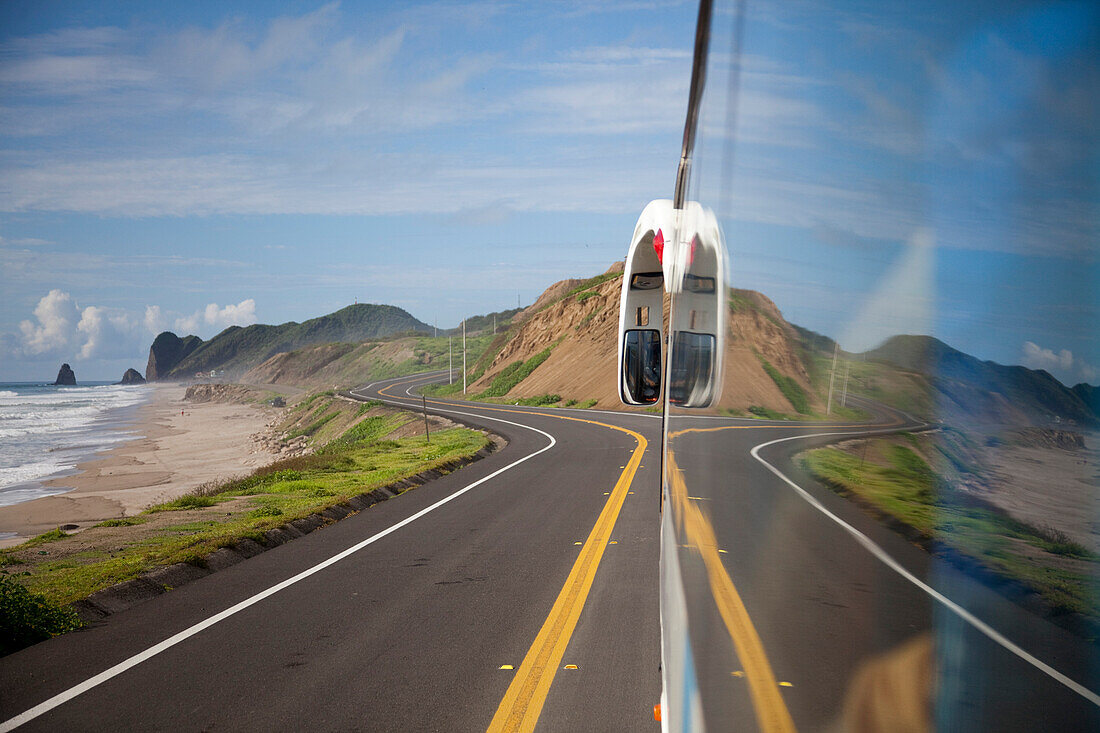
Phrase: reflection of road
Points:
(401, 617)
(813, 573)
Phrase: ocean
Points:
(47, 430)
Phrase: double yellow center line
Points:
(523, 701)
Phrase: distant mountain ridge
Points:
(989, 389)
(237, 349)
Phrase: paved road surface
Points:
(543, 557)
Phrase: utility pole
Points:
(427, 432)
(463, 356)
(844, 396)
(832, 376)
(450, 361)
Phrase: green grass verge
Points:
(910, 491)
(275, 495)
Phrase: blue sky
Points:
(191, 166)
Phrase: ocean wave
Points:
(17, 495)
(38, 423)
(13, 476)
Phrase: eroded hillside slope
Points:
(578, 323)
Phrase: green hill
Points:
(236, 350)
(967, 384)
(1089, 394)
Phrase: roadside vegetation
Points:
(379, 447)
(791, 389)
(880, 382)
(914, 479)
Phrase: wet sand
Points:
(184, 445)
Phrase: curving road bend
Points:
(408, 631)
(830, 590)
(521, 590)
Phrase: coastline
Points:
(178, 446)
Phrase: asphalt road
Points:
(543, 558)
(829, 589)
(409, 632)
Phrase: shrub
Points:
(122, 522)
(27, 618)
(190, 501)
(541, 400)
(766, 413)
(51, 536)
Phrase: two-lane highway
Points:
(804, 611)
(417, 614)
(523, 590)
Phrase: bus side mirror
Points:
(641, 306)
(698, 311)
(691, 373)
(642, 365)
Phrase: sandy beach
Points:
(184, 445)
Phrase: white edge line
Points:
(897, 567)
(72, 692)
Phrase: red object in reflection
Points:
(691, 252)
(659, 246)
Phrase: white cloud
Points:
(241, 314)
(155, 320)
(1036, 357)
(23, 242)
(109, 334)
(56, 315)
(61, 329)
(1061, 363)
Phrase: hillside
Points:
(578, 321)
(984, 391)
(1088, 394)
(343, 365)
(236, 350)
(167, 351)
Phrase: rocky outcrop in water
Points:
(167, 351)
(66, 376)
(132, 376)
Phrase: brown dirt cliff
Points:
(581, 365)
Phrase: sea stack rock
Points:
(167, 351)
(66, 376)
(132, 376)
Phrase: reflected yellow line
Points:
(771, 711)
(692, 524)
